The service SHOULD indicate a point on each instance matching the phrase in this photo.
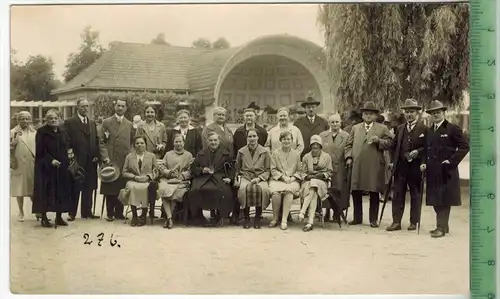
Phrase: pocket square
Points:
(421, 135)
(444, 135)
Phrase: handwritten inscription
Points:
(100, 239)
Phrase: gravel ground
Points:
(229, 260)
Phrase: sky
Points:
(54, 31)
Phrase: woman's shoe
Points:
(168, 223)
(45, 222)
(273, 223)
(256, 223)
(134, 221)
(246, 223)
(142, 220)
(283, 226)
(20, 218)
(61, 222)
(308, 227)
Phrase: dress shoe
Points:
(308, 227)
(90, 217)
(134, 221)
(45, 222)
(246, 223)
(355, 222)
(20, 218)
(142, 220)
(168, 223)
(446, 230)
(283, 226)
(373, 224)
(110, 218)
(412, 226)
(393, 227)
(438, 233)
(71, 218)
(61, 222)
(256, 223)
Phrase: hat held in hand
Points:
(109, 173)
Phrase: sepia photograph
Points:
(239, 149)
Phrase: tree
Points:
(90, 51)
(33, 80)
(160, 40)
(221, 43)
(389, 52)
(202, 43)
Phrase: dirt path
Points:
(154, 260)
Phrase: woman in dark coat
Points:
(52, 180)
(211, 186)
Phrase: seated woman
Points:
(317, 170)
(138, 171)
(175, 175)
(253, 165)
(210, 188)
(285, 178)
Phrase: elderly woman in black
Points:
(210, 188)
(52, 181)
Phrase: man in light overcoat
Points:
(365, 152)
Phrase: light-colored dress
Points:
(273, 138)
(136, 193)
(173, 187)
(250, 166)
(285, 164)
(22, 178)
(321, 165)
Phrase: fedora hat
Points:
(436, 105)
(316, 139)
(310, 101)
(109, 173)
(411, 104)
(369, 106)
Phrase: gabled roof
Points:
(138, 66)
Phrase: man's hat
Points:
(411, 104)
(369, 106)
(310, 101)
(109, 173)
(436, 105)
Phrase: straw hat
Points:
(316, 139)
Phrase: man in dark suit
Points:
(446, 146)
(240, 140)
(83, 139)
(310, 124)
(406, 157)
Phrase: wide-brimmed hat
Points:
(108, 173)
(370, 106)
(411, 104)
(310, 101)
(436, 105)
(316, 139)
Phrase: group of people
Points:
(191, 169)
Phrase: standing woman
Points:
(317, 169)
(154, 131)
(138, 171)
(285, 178)
(192, 136)
(52, 181)
(273, 138)
(253, 165)
(22, 151)
(175, 175)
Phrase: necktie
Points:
(367, 128)
(435, 128)
(140, 164)
(85, 120)
(410, 127)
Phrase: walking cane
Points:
(386, 196)
(95, 201)
(421, 200)
(348, 188)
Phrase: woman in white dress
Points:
(284, 125)
(285, 179)
(175, 174)
(317, 171)
(22, 150)
(138, 170)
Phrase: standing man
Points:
(310, 124)
(446, 146)
(240, 140)
(365, 152)
(406, 156)
(84, 140)
(115, 140)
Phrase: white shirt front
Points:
(411, 125)
(311, 119)
(438, 125)
(368, 126)
(119, 118)
(83, 119)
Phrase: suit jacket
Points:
(240, 137)
(131, 165)
(417, 137)
(226, 137)
(307, 129)
(84, 140)
(118, 144)
(157, 136)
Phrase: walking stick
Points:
(348, 188)
(95, 201)
(421, 200)
(386, 196)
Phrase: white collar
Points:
(139, 156)
(311, 117)
(119, 117)
(178, 128)
(439, 124)
(413, 123)
(82, 118)
(367, 125)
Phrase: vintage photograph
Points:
(239, 149)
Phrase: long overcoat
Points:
(52, 187)
(22, 178)
(116, 146)
(309, 129)
(84, 141)
(335, 147)
(368, 161)
(443, 180)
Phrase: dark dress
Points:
(192, 143)
(208, 191)
(52, 185)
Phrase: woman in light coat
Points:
(138, 171)
(284, 125)
(175, 174)
(317, 171)
(154, 132)
(22, 150)
(285, 179)
(252, 171)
